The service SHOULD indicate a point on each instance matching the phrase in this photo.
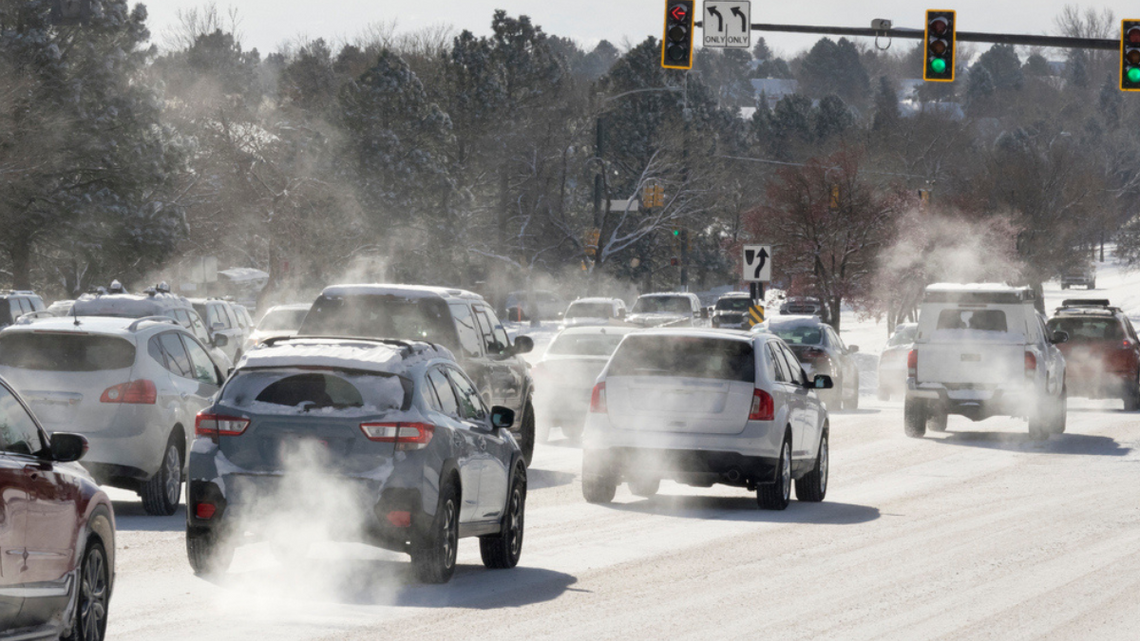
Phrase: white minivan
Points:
(702, 406)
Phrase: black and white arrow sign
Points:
(757, 263)
(732, 28)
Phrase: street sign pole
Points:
(757, 270)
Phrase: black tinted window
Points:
(177, 360)
(684, 356)
(470, 403)
(424, 319)
(734, 304)
(448, 403)
(986, 320)
(18, 432)
(359, 393)
(778, 363)
(1088, 329)
(65, 352)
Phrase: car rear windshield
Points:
(663, 305)
(903, 336)
(381, 316)
(294, 390)
(65, 352)
(1088, 330)
(983, 320)
(282, 320)
(684, 357)
(799, 334)
(585, 344)
(734, 304)
(589, 310)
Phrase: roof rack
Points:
(151, 319)
(1086, 302)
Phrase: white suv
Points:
(706, 406)
(131, 386)
(984, 350)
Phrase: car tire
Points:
(914, 418)
(937, 420)
(1060, 413)
(1132, 397)
(599, 485)
(813, 486)
(94, 581)
(160, 494)
(433, 559)
(777, 495)
(645, 487)
(207, 552)
(526, 433)
(502, 551)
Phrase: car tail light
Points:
(406, 436)
(814, 354)
(763, 407)
(1030, 365)
(598, 399)
(140, 392)
(912, 363)
(205, 511)
(400, 519)
(215, 425)
(1127, 344)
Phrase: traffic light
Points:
(653, 196)
(938, 59)
(677, 45)
(1130, 55)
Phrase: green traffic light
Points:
(938, 65)
(676, 232)
(1134, 75)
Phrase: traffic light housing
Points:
(1130, 55)
(653, 196)
(677, 45)
(938, 54)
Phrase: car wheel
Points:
(502, 551)
(161, 492)
(1132, 397)
(937, 420)
(433, 559)
(90, 620)
(599, 485)
(1060, 413)
(645, 487)
(526, 434)
(914, 418)
(813, 486)
(207, 552)
(776, 496)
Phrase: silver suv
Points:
(14, 304)
(131, 386)
(222, 320)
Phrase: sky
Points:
(266, 24)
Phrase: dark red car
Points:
(1102, 354)
(57, 533)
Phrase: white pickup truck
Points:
(984, 350)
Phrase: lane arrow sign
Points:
(720, 19)
(744, 26)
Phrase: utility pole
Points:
(599, 148)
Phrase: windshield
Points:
(734, 304)
(663, 305)
(291, 390)
(282, 320)
(684, 357)
(589, 310)
(585, 344)
(903, 336)
(1088, 330)
(799, 334)
(65, 352)
(384, 316)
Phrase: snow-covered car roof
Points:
(128, 305)
(90, 324)
(391, 357)
(403, 291)
(669, 295)
(600, 329)
(289, 307)
(735, 295)
(595, 299)
(790, 320)
(700, 332)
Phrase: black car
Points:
(459, 320)
(731, 311)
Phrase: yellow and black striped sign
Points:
(755, 315)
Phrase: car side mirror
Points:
(502, 417)
(1058, 337)
(66, 447)
(852, 349)
(221, 340)
(822, 381)
(524, 344)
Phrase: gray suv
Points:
(384, 442)
(459, 320)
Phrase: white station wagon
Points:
(706, 406)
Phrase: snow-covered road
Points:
(978, 533)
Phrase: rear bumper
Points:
(975, 403)
(1098, 384)
(694, 467)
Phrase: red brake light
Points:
(400, 519)
(140, 392)
(912, 363)
(406, 436)
(1030, 365)
(214, 425)
(763, 407)
(205, 511)
(598, 399)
